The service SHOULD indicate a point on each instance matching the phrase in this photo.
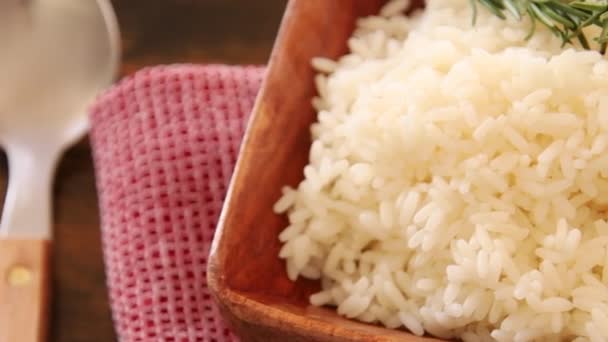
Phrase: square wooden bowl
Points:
(246, 276)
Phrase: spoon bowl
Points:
(56, 56)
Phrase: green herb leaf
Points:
(566, 19)
(533, 24)
(512, 7)
(492, 7)
(557, 17)
(474, 9)
(590, 5)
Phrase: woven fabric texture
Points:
(165, 142)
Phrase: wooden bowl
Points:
(246, 277)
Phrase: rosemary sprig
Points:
(565, 18)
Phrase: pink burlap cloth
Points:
(164, 143)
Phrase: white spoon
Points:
(55, 57)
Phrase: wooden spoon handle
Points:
(24, 266)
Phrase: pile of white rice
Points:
(458, 180)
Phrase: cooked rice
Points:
(457, 182)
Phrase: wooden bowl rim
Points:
(242, 307)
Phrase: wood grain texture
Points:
(24, 281)
(153, 32)
(246, 276)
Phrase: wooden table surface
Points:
(153, 32)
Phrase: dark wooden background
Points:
(153, 32)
